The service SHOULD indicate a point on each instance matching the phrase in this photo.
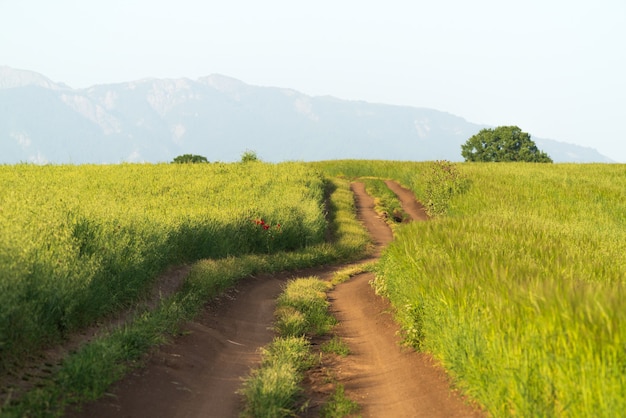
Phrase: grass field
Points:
(519, 289)
(80, 242)
(87, 373)
(516, 285)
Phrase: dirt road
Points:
(198, 374)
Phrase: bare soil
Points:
(198, 374)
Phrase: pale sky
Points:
(555, 68)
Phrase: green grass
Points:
(347, 273)
(517, 286)
(81, 242)
(387, 204)
(86, 374)
(302, 309)
(275, 388)
(339, 405)
(336, 346)
(519, 290)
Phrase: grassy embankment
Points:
(86, 241)
(518, 288)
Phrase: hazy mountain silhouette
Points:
(155, 120)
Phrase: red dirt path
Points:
(198, 374)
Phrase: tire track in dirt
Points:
(412, 207)
(383, 377)
(198, 374)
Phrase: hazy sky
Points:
(555, 68)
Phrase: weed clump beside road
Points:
(272, 390)
(302, 309)
(275, 389)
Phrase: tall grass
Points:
(86, 374)
(80, 242)
(519, 290)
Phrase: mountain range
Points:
(154, 120)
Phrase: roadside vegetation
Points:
(275, 388)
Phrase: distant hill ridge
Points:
(154, 120)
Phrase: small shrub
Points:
(249, 156)
(443, 181)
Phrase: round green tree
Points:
(190, 159)
(504, 143)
